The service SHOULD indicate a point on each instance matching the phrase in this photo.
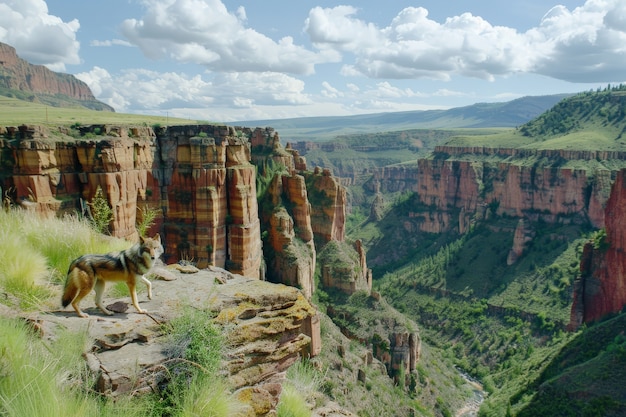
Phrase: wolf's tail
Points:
(70, 292)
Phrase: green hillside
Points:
(480, 115)
(586, 121)
(15, 112)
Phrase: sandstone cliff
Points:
(453, 188)
(201, 181)
(199, 178)
(601, 287)
(39, 83)
(393, 179)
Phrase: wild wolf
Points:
(93, 271)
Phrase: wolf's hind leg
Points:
(75, 302)
(99, 287)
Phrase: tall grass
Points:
(48, 379)
(37, 252)
(300, 390)
(195, 387)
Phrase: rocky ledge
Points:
(268, 326)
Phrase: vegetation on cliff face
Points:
(504, 322)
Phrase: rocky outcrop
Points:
(290, 234)
(328, 205)
(268, 327)
(208, 193)
(521, 237)
(601, 287)
(404, 353)
(344, 267)
(377, 208)
(17, 74)
(52, 177)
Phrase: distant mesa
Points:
(36, 83)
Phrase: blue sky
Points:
(235, 60)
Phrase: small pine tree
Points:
(146, 220)
(101, 212)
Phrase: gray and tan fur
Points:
(93, 271)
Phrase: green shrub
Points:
(101, 212)
(195, 387)
(302, 386)
(146, 219)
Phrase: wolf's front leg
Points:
(133, 296)
(148, 285)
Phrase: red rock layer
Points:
(209, 195)
(601, 287)
(328, 212)
(446, 187)
(199, 178)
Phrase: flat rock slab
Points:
(128, 347)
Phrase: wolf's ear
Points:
(141, 240)
(157, 237)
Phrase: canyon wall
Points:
(393, 179)
(328, 213)
(452, 191)
(601, 287)
(199, 179)
(208, 198)
(201, 182)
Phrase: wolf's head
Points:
(151, 247)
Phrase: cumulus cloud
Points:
(112, 42)
(205, 32)
(329, 91)
(141, 90)
(584, 45)
(39, 37)
(587, 44)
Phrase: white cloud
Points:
(141, 90)
(205, 32)
(334, 28)
(329, 91)
(112, 42)
(37, 36)
(444, 92)
(587, 44)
